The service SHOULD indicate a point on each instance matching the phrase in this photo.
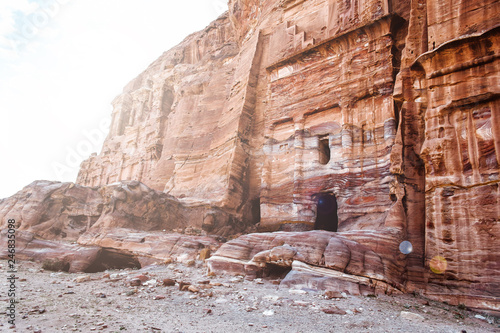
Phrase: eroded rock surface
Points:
(151, 247)
(319, 254)
(56, 255)
(120, 225)
(378, 119)
(65, 211)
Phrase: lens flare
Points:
(406, 247)
(438, 265)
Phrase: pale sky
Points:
(62, 62)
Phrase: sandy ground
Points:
(106, 302)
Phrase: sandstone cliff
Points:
(375, 119)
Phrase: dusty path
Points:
(56, 302)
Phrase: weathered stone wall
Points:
(447, 150)
(461, 152)
(176, 126)
(391, 106)
(341, 92)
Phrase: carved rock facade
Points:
(378, 119)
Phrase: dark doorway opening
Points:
(324, 151)
(110, 258)
(273, 271)
(326, 212)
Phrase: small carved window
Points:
(324, 151)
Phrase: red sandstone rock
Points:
(388, 110)
(53, 210)
(333, 310)
(157, 246)
(65, 211)
(256, 254)
(168, 282)
(67, 257)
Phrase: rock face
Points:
(65, 211)
(120, 225)
(58, 256)
(376, 119)
(311, 256)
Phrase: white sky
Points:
(62, 62)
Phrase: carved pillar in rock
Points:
(299, 207)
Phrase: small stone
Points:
(190, 262)
(333, 310)
(168, 282)
(193, 289)
(301, 303)
(141, 277)
(84, 278)
(250, 324)
(411, 316)
(183, 286)
(205, 253)
(135, 282)
(158, 297)
(333, 294)
(150, 283)
(480, 317)
(208, 311)
(204, 282)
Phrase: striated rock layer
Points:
(65, 211)
(314, 254)
(82, 229)
(376, 119)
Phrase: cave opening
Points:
(113, 259)
(274, 271)
(326, 212)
